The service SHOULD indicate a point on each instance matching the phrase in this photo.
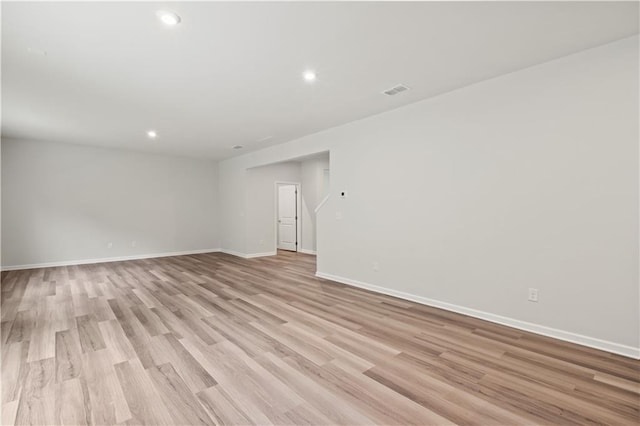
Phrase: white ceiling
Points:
(230, 73)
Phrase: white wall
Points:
(311, 172)
(65, 203)
(261, 204)
(470, 198)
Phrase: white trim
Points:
(616, 348)
(268, 253)
(324, 200)
(305, 251)
(234, 253)
(106, 259)
(250, 255)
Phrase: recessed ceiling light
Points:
(152, 134)
(168, 18)
(309, 76)
(237, 147)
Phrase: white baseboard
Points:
(106, 259)
(268, 253)
(250, 255)
(616, 348)
(305, 251)
(234, 253)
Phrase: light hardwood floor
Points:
(214, 339)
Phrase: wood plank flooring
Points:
(214, 339)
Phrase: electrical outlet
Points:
(261, 242)
(109, 245)
(533, 295)
(376, 266)
(338, 215)
(133, 243)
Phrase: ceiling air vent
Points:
(395, 90)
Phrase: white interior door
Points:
(287, 217)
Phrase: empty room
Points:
(320, 213)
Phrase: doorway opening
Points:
(288, 211)
(267, 230)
